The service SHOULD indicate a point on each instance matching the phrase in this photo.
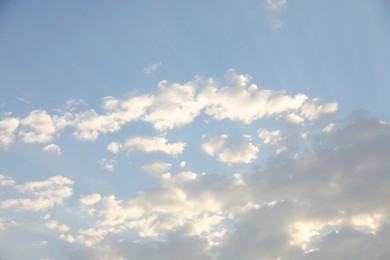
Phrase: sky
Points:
(255, 129)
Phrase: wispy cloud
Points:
(152, 68)
(277, 4)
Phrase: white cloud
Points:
(156, 167)
(8, 127)
(6, 181)
(91, 199)
(55, 225)
(87, 201)
(72, 104)
(294, 118)
(150, 144)
(314, 110)
(230, 152)
(214, 145)
(41, 195)
(53, 148)
(90, 124)
(38, 127)
(270, 137)
(329, 128)
(182, 164)
(244, 101)
(277, 4)
(114, 147)
(151, 68)
(174, 106)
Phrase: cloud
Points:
(6, 181)
(329, 128)
(90, 124)
(150, 144)
(91, 199)
(270, 137)
(107, 164)
(331, 189)
(156, 167)
(175, 105)
(8, 127)
(151, 68)
(314, 110)
(172, 105)
(55, 225)
(53, 148)
(114, 147)
(277, 4)
(41, 195)
(228, 102)
(183, 164)
(38, 127)
(294, 118)
(230, 152)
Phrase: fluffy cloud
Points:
(91, 199)
(174, 106)
(230, 152)
(41, 195)
(228, 102)
(314, 110)
(270, 137)
(8, 127)
(6, 181)
(52, 148)
(150, 144)
(184, 201)
(89, 124)
(294, 118)
(114, 147)
(38, 127)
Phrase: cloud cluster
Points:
(37, 195)
(173, 105)
(329, 201)
(228, 151)
(326, 202)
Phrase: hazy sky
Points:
(254, 129)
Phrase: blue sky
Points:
(168, 130)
